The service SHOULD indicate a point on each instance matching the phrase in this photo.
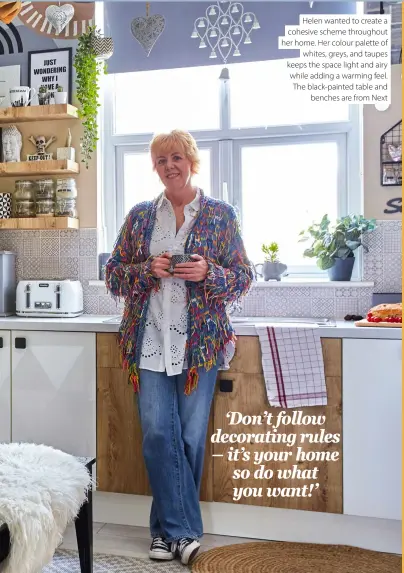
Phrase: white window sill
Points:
(289, 282)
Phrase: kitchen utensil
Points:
(49, 298)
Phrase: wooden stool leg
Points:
(84, 534)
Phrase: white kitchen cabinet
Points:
(5, 386)
(372, 428)
(54, 390)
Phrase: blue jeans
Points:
(174, 428)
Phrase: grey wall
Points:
(395, 9)
(175, 47)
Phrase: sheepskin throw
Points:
(41, 492)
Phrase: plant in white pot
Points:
(334, 246)
(272, 268)
(60, 95)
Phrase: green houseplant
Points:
(272, 268)
(333, 245)
(88, 70)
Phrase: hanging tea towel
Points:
(292, 361)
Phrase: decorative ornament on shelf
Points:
(41, 146)
(224, 28)
(148, 30)
(33, 16)
(67, 152)
(12, 144)
(59, 16)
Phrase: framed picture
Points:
(50, 68)
(9, 78)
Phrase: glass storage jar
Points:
(45, 189)
(24, 208)
(66, 208)
(66, 188)
(45, 208)
(24, 191)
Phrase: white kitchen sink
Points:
(257, 319)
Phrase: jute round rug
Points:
(280, 557)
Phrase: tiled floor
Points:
(134, 541)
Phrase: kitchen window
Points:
(281, 165)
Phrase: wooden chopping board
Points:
(365, 322)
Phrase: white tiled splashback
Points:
(73, 254)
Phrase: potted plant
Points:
(89, 67)
(272, 268)
(43, 95)
(60, 95)
(334, 246)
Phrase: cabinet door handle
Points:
(226, 385)
(21, 343)
(1, 342)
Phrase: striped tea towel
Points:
(292, 361)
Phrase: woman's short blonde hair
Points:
(176, 140)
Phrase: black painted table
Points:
(83, 525)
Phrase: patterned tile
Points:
(325, 292)
(32, 244)
(69, 244)
(50, 234)
(344, 306)
(364, 304)
(19, 268)
(88, 268)
(107, 305)
(391, 242)
(31, 267)
(346, 292)
(323, 307)
(88, 233)
(88, 247)
(49, 268)
(91, 304)
(254, 303)
(50, 245)
(298, 306)
(69, 267)
(276, 305)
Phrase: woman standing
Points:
(175, 331)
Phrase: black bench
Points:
(83, 525)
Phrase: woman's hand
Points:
(195, 271)
(160, 266)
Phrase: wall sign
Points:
(50, 68)
(395, 206)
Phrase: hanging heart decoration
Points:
(59, 16)
(148, 30)
(395, 152)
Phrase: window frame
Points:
(226, 142)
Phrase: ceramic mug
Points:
(175, 259)
(21, 96)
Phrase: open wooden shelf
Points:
(38, 223)
(10, 115)
(51, 167)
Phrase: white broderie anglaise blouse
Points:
(165, 335)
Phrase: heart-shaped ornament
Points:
(148, 30)
(59, 16)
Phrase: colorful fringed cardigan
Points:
(215, 235)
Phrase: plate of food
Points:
(383, 315)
